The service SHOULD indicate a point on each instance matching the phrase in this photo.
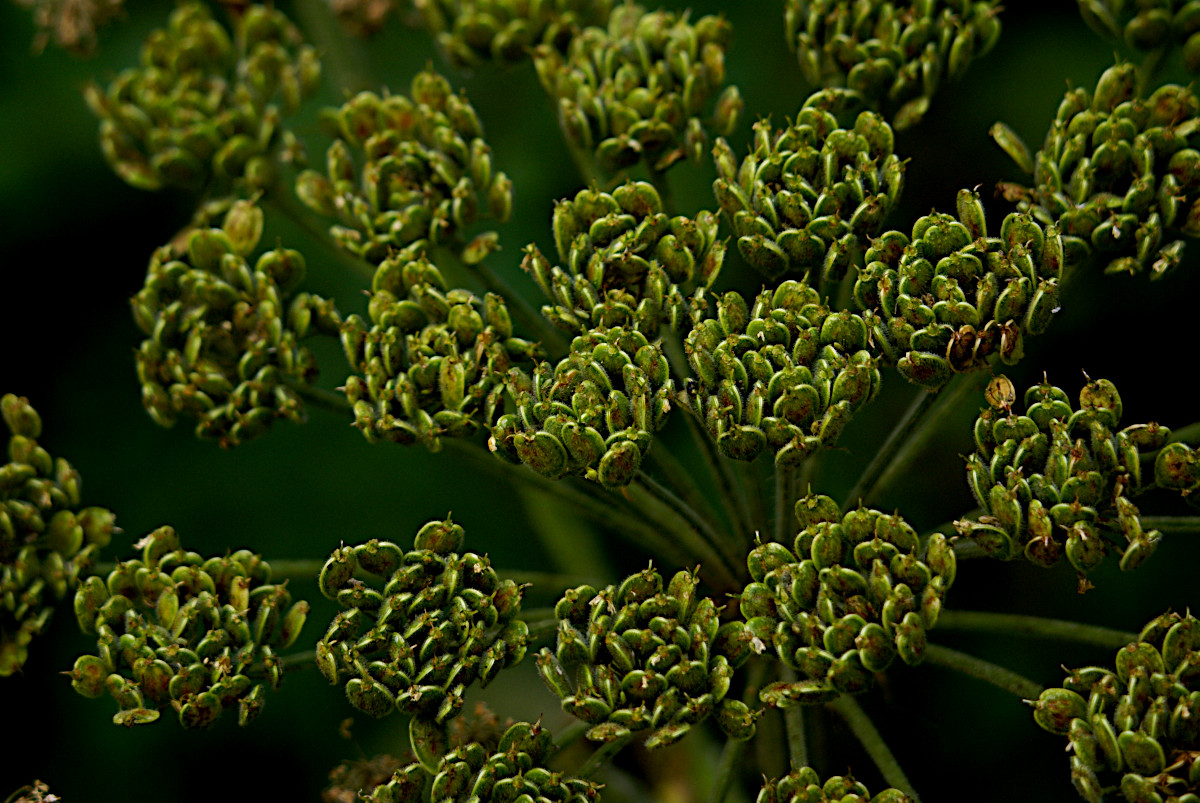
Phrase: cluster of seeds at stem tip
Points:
(1119, 175)
(472, 32)
(625, 261)
(222, 337)
(180, 632)
(1177, 466)
(1057, 481)
(440, 621)
(635, 657)
(950, 297)
(849, 597)
(785, 374)
(202, 106)
(1149, 27)
(1136, 729)
(593, 414)
(425, 176)
(638, 90)
(432, 361)
(891, 55)
(804, 786)
(47, 542)
(807, 197)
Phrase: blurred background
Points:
(74, 243)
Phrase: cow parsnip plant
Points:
(719, 471)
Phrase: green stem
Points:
(720, 546)
(331, 400)
(727, 768)
(896, 441)
(1172, 524)
(1189, 435)
(793, 720)
(605, 752)
(865, 731)
(690, 544)
(569, 543)
(298, 660)
(681, 481)
(659, 179)
(571, 734)
(295, 569)
(1034, 627)
(785, 497)
(986, 671)
(719, 469)
(347, 64)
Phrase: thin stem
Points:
(793, 720)
(689, 544)
(605, 752)
(295, 569)
(1189, 435)
(330, 400)
(720, 546)
(298, 660)
(680, 479)
(720, 471)
(896, 441)
(727, 768)
(541, 622)
(347, 64)
(659, 179)
(1034, 627)
(568, 542)
(785, 495)
(865, 731)
(571, 734)
(1171, 524)
(986, 671)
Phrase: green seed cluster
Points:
(893, 55)
(627, 262)
(845, 601)
(440, 620)
(785, 374)
(426, 173)
(1058, 480)
(184, 633)
(1138, 728)
(807, 197)
(1119, 174)
(1148, 27)
(46, 540)
(222, 337)
(432, 359)
(634, 657)
(951, 296)
(202, 106)
(593, 414)
(1177, 466)
(805, 786)
(472, 32)
(637, 90)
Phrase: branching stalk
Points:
(980, 669)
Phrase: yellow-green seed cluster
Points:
(1058, 480)
(849, 597)
(635, 657)
(808, 197)
(203, 105)
(593, 414)
(892, 55)
(472, 32)
(1177, 466)
(950, 297)
(639, 90)
(222, 342)
(178, 632)
(422, 627)
(784, 375)
(433, 360)
(47, 542)
(1136, 729)
(1149, 27)
(423, 173)
(627, 263)
(804, 785)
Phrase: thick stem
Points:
(1172, 524)
(986, 671)
(1034, 627)
(865, 731)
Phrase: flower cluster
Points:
(1058, 480)
(47, 542)
(433, 358)
(633, 657)
(1138, 728)
(807, 197)
(184, 633)
(593, 414)
(636, 91)
(1149, 27)
(440, 620)
(471, 32)
(425, 174)
(845, 601)
(1119, 175)
(628, 263)
(805, 786)
(203, 105)
(893, 55)
(950, 297)
(785, 374)
(222, 337)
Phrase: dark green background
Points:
(74, 242)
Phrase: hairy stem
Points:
(1034, 627)
(986, 671)
(865, 731)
